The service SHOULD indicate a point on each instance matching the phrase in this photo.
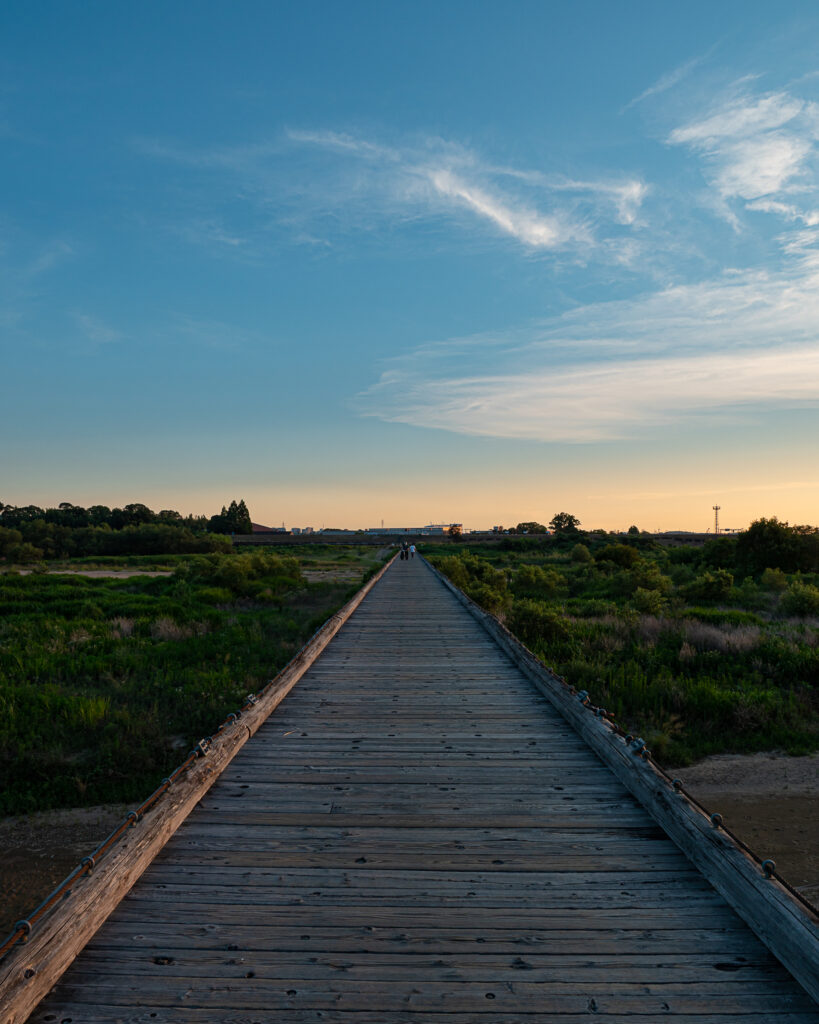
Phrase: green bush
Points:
(534, 621)
(650, 602)
(621, 554)
(710, 586)
(801, 599)
(774, 579)
(581, 554)
(486, 596)
(535, 581)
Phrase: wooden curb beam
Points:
(786, 926)
(30, 970)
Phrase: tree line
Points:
(29, 533)
(766, 544)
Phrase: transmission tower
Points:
(716, 509)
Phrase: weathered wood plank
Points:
(101, 1013)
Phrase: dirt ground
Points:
(37, 851)
(771, 801)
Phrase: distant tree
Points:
(99, 514)
(532, 527)
(167, 515)
(455, 532)
(233, 519)
(563, 522)
(770, 544)
(138, 513)
(634, 531)
(243, 523)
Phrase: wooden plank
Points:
(101, 1013)
(508, 996)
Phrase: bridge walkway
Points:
(415, 835)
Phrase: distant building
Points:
(257, 528)
(431, 530)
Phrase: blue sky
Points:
(412, 261)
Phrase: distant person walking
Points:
(412, 551)
(404, 550)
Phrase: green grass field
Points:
(105, 684)
(686, 656)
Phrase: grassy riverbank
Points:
(694, 660)
(105, 684)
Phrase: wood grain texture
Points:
(416, 835)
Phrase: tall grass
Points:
(692, 678)
(105, 684)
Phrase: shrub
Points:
(648, 576)
(533, 621)
(650, 602)
(581, 554)
(731, 616)
(534, 581)
(621, 554)
(711, 586)
(801, 599)
(486, 596)
(774, 579)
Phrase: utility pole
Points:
(716, 509)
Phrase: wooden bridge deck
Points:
(416, 835)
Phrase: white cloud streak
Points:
(441, 178)
(754, 146)
(612, 401)
(665, 82)
(746, 342)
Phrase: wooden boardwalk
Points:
(416, 835)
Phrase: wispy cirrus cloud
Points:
(743, 343)
(755, 146)
(666, 81)
(95, 329)
(438, 178)
(317, 181)
(607, 402)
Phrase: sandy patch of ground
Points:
(771, 801)
(352, 575)
(37, 851)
